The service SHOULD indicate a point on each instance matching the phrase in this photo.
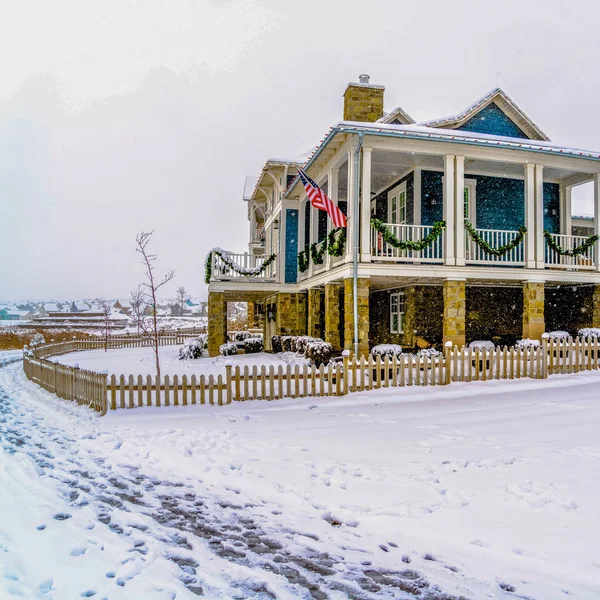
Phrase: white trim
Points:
(472, 185)
(399, 314)
(396, 192)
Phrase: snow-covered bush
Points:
(37, 340)
(429, 352)
(302, 341)
(319, 353)
(253, 345)
(276, 343)
(240, 336)
(384, 350)
(482, 344)
(228, 349)
(556, 335)
(527, 343)
(191, 349)
(288, 343)
(589, 332)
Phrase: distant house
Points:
(14, 314)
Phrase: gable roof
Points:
(397, 117)
(504, 103)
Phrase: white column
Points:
(459, 193)
(540, 259)
(332, 192)
(365, 206)
(568, 208)
(529, 170)
(301, 209)
(449, 209)
(597, 219)
(350, 204)
(281, 246)
(417, 197)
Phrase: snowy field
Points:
(481, 490)
(140, 361)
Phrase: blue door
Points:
(291, 245)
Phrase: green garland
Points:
(578, 251)
(303, 260)
(235, 268)
(336, 247)
(415, 245)
(317, 255)
(502, 250)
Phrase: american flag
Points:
(319, 199)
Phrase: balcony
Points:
(383, 251)
(227, 266)
(496, 238)
(584, 261)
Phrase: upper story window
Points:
(469, 201)
(397, 205)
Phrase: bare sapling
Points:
(138, 307)
(106, 310)
(181, 298)
(149, 293)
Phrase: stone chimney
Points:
(363, 101)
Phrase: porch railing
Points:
(584, 261)
(247, 262)
(496, 238)
(318, 268)
(382, 251)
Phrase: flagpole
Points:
(356, 240)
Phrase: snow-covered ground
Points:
(140, 361)
(481, 490)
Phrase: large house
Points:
(463, 228)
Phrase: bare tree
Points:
(149, 290)
(106, 310)
(181, 298)
(136, 299)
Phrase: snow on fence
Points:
(101, 393)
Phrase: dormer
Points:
(494, 114)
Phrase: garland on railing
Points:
(303, 260)
(317, 255)
(224, 256)
(502, 250)
(336, 247)
(415, 245)
(577, 251)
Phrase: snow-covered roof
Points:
(397, 115)
(504, 102)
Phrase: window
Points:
(397, 308)
(469, 201)
(397, 205)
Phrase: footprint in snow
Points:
(46, 586)
(62, 516)
(78, 551)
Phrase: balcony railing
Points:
(246, 267)
(585, 261)
(382, 251)
(496, 238)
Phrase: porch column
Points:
(251, 312)
(459, 194)
(350, 205)
(332, 315)
(291, 314)
(314, 313)
(540, 258)
(332, 192)
(455, 304)
(449, 210)
(529, 171)
(365, 208)
(565, 209)
(217, 322)
(363, 316)
(417, 197)
(533, 310)
(597, 219)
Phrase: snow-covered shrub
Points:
(384, 350)
(589, 332)
(302, 341)
(288, 343)
(240, 336)
(191, 349)
(527, 343)
(37, 340)
(482, 344)
(228, 349)
(319, 353)
(429, 352)
(276, 343)
(253, 345)
(556, 335)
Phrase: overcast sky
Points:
(121, 116)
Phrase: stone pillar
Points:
(363, 316)
(217, 322)
(314, 313)
(332, 315)
(291, 314)
(410, 314)
(251, 315)
(533, 310)
(596, 307)
(455, 303)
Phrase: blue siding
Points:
(291, 245)
(381, 200)
(500, 202)
(493, 120)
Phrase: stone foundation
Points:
(455, 303)
(363, 316)
(596, 306)
(217, 322)
(332, 315)
(291, 314)
(314, 313)
(533, 310)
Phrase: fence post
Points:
(448, 355)
(545, 358)
(228, 390)
(346, 372)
